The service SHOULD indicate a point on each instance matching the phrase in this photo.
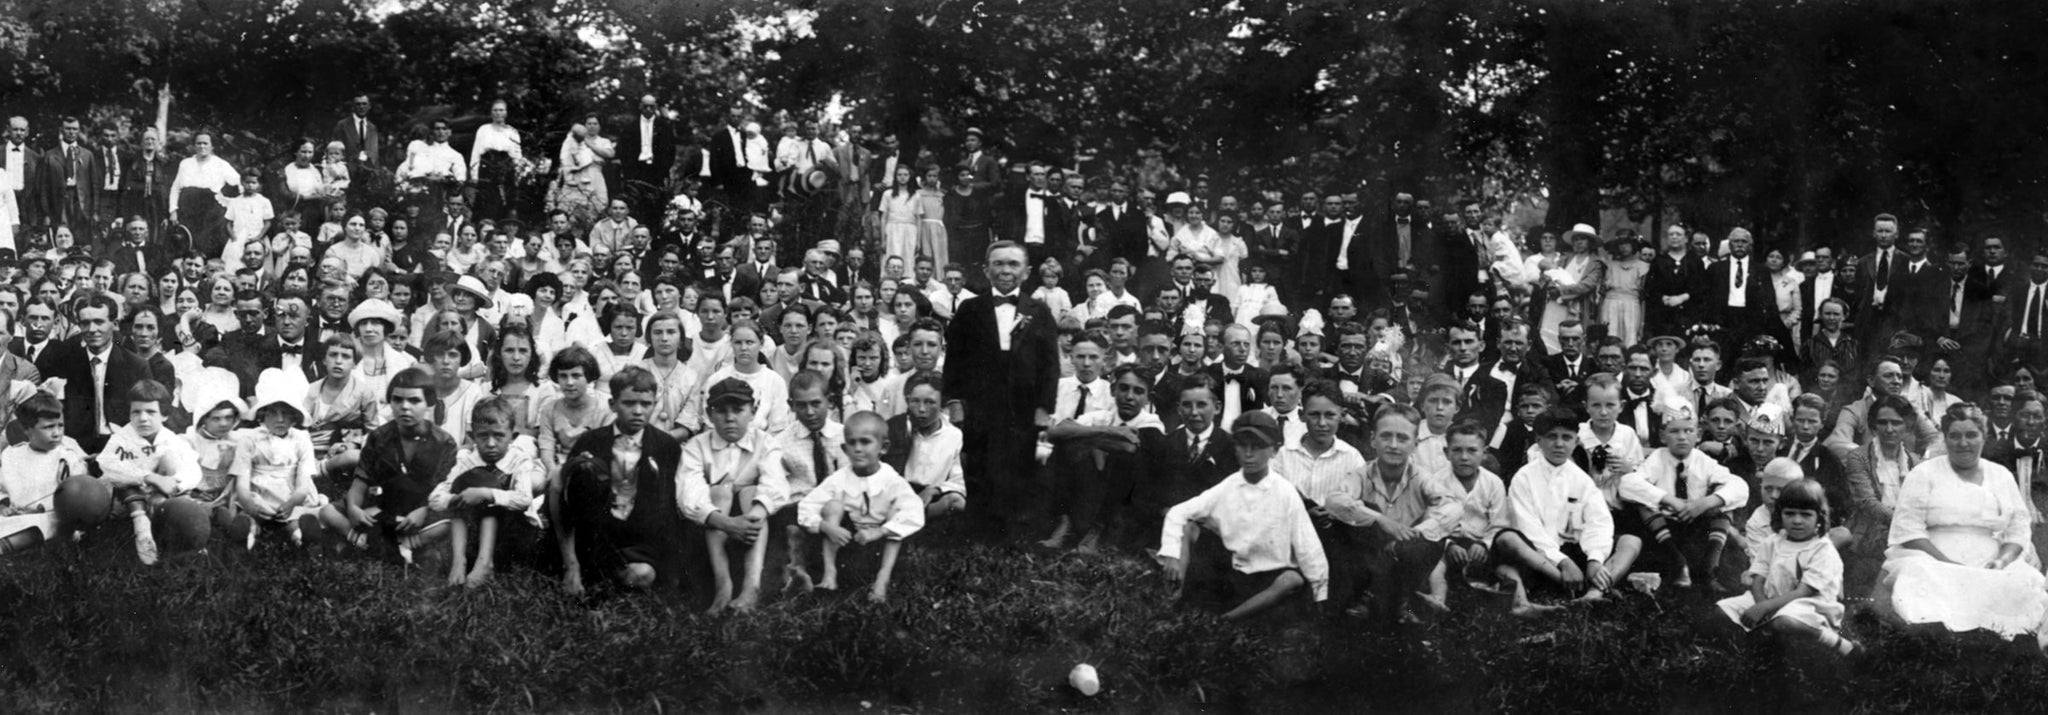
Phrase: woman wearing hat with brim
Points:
(377, 360)
(1568, 287)
(1622, 307)
(469, 297)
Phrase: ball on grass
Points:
(83, 502)
(1084, 679)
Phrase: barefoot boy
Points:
(1559, 528)
(614, 500)
(1483, 500)
(928, 453)
(404, 459)
(492, 481)
(1099, 457)
(811, 450)
(1260, 547)
(734, 471)
(863, 503)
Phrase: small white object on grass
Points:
(1084, 679)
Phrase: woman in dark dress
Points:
(1673, 287)
(969, 212)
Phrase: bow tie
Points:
(292, 348)
(1401, 220)
(1044, 195)
(1009, 300)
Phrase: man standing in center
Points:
(1002, 378)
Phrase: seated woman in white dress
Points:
(1960, 540)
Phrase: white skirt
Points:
(2009, 601)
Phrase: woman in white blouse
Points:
(303, 184)
(1960, 540)
(493, 159)
(1197, 240)
(199, 196)
(583, 192)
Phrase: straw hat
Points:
(472, 286)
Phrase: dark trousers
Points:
(1213, 584)
(1394, 569)
(1090, 496)
(998, 460)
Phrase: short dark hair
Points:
(573, 357)
(413, 378)
(635, 378)
(150, 391)
(38, 407)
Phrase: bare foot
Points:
(479, 577)
(1058, 539)
(748, 598)
(455, 576)
(795, 577)
(1684, 578)
(828, 583)
(878, 595)
(1532, 610)
(1091, 544)
(719, 604)
(1592, 596)
(1432, 602)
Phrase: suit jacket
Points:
(664, 147)
(1457, 264)
(1002, 388)
(819, 290)
(55, 353)
(1974, 329)
(1010, 220)
(749, 273)
(1181, 477)
(1919, 298)
(1121, 232)
(245, 355)
(742, 285)
(1251, 386)
(81, 164)
(985, 170)
(1870, 314)
(1486, 398)
(1759, 297)
(124, 369)
(151, 178)
(129, 259)
(310, 353)
(1559, 370)
(1315, 256)
(1385, 240)
(355, 142)
(728, 169)
(653, 530)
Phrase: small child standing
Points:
(1795, 580)
(31, 473)
(493, 480)
(274, 464)
(862, 503)
(148, 466)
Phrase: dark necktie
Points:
(1680, 478)
(2034, 309)
(1738, 274)
(1884, 270)
(1194, 447)
(821, 465)
(1080, 401)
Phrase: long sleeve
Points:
(1308, 554)
(772, 489)
(443, 495)
(813, 504)
(1444, 508)
(906, 510)
(693, 493)
(1192, 510)
(1862, 479)
(1909, 521)
(1597, 536)
(1734, 492)
(1843, 440)
(1636, 488)
(1526, 514)
(183, 461)
(522, 463)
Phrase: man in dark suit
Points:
(1316, 254)
(22, 162)
(1819, 287)
(1196, 455)
(150, 174)
(1002, 379)
(1035, 218)
(68, 173)
(1214, 306)
(112, 186)
(1242, 385)
(1120, 226)
(758, 268)
(96, 381)
(1639, 397)
(1512, 364)
(361, 143)
(36, 345)
(617, 514)
(1484, 397)
(1355, 261)
(972, 154)
(246, 352)
(1570, 367)
(647, 149)
(725, 166)
(731, 282)
(1922, 286)
(297, 347)
(1740, 290)
(1877, 318)
(1459, 255)
(1399, 236)
(132, 252)
(2026, 334)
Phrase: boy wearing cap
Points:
(1559, 528)
(1683, 500)
(613, 502)
(732, 474)
(863, 503)
(1259, 547)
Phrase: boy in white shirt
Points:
(1260, 548)
(1683, 499)
(863, 503)
(1100, 458)
(1483, 500)
(1559, 528)
(33, 472)
(493, 480)
(732, 468)
(1083, 392)
(926, 448)
(150, 467)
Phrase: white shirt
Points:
(1070, 397)
(1823, 289)
(1034, 217)
(1006, 320)
(646, 138)
(1552, 505)
(423, 159)
(714, 472)
(1331, 479)
(1485, 507)
(491, 137)
(1880, 281)
(99, 386)
(883, 499)
(521, 462)
(934, 459)
(802, 471)
(1344, 247)
(1292, 428)
(1657, 476)
(112, 159)
(1738, 274)
(17, 173)
(1263, 524)
(213, 174)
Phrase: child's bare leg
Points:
(1827, 637)
(721, 571)
(1513, 554)
(832, 513)
(750, 584)
(1438, 597)
(458, 551)
(486, 542)
(795, 574)
(145, 540)
(880, 592)
(337, 523)
(1287, 583)
(1626, 549)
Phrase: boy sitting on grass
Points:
(492, 481)
(614, 500)
(733, 470)
(1260, 546)
(404, 459)
(1683, 499)
(807, 450)
(925, 448)
(1100, 455)
(863, 503)
(1559, 528)
(1408, 514)
(33, 472)
(274, 464)
(1483, 511)
(149, 467)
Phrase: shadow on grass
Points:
(968, 629)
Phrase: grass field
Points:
(970, 629)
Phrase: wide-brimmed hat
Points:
(276, 387)
(1579, 228)
(376, 309)
(207, 389)
(1179, 197)
(472, 286)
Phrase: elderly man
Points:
(1887, 378)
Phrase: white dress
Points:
(1787, 565)
(1969, 523)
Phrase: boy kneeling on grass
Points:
(863, 503)
(614, 501)
(41, 479)
(1683, 499)
(150, 468)
(1264, 548)
(734, 471)
(1559, 528)
(404, 459)
(492, 482)
(274, 464)
(1795, 580)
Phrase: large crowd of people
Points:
(648, 355)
